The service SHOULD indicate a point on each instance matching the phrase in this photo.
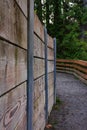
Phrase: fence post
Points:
(30, 80)
(54, 41)
(46, 74)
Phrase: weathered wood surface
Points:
(50, 103)
(23, 5)
(73, 70)
(13, 109)
(50, 54)
(13, 66)
(50, 84)
(38, 27)
(50, 89)
(79, 62)
(13, 24)
(40, 123)
(50, 42)
(50, 66)
(39, 67)
(39, 105)
(50, 78)
(76, 67)
(38, 47)
(39, 87)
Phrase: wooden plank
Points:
(80, 68)
(39, 105)
(23, 5)
(79, 62)
(40, 122)
(51, 90)
(39, 67)
(50, 66)
(38, 27)
(51, 102)
(13, 109)
(38, 47)
(50, 54)
(13, 24)
(39, 85)
(50, 42)
(13, 66)
(50, 79)
(73, 70)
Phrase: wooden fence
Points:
(13, 69)
(76, 67)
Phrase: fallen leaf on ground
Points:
(48, 126)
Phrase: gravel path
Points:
(72, 113)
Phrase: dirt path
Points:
(71, 113)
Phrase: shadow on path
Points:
(71, 112)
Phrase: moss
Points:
(58, 103)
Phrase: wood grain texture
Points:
(39, 67)
(13, 66)
(51, 90)
(13, 24)
(13, 109)
(50, 66)
(50, 78)
(39, 87)
(50, 54)
(39, 105)
(51, 102)
(79, 62)
(38, 27)
(50, 42)
(23, 5)
(38, 47)
(40, 123)
(75, 66)
(50, 85)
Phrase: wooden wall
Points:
(39, 75)
(13, 68)
(76, 67)
(13, 64)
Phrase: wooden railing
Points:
(76, 67)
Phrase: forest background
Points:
(67, 21)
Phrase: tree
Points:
(67, 21)
(38, 8)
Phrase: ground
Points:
(70, 112)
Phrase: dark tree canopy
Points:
(67, 21)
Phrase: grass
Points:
(53, 122)
(58, 103)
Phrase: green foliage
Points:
(68, 23)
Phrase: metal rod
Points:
(30, 44)
(46, 74)
(54, 70)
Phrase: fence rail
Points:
(76, 67)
